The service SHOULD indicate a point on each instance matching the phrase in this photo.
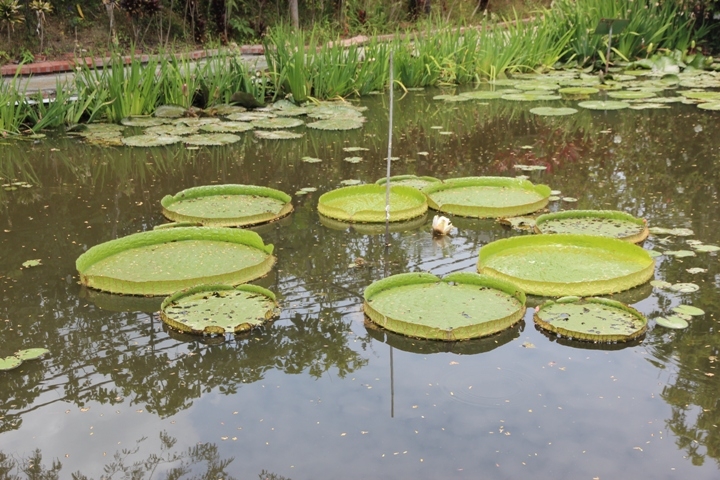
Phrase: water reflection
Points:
(107, 353)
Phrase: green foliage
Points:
(15, 108)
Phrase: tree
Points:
(294, 14)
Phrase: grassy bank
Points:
(302, 64)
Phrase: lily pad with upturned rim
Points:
(227, 205)
(366, 203)
(409, 181)
(219, 309)
(459, 306)
(591, 319)
(557, 265)
(605, 223)
(487, 197)
(160, 262)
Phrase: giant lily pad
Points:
(409, 181)
(593, 319)
(487, 197)
(218, 309)
(460, 306)
(227, 205)
(374, 228)
(366, 203)
(556, 265)
(605, 223)
(161, 262)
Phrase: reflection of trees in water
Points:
(200, 462)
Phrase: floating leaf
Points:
(173, 130)
(311, 160)
(337, 123)
(660, 284)
(679, 232)
(353, 159)
(679, 253)
(626, 94)
(578, 91)
(169, 111)
(277, 123)
(350, 182)
(530, 168)
(150, 140)
(606, 223)
(355, 149)
(672, 321)
(688, 310)
(552, 111)
(654, 253)
(140, 121)
(8, 363)
(714, 106)
(277, 135)
(366, 203)
(31, 353)
(696, 270)
(530, 97)
(569, 199)
(409, 181)
(483, 94)
(211, 139)
(31, 263)
(604, 104)
(249, 116)
(685, 287)
(227, 127)
(706, 248)
(309, 189)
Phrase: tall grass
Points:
(13, 105)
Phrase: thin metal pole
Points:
(390, 129)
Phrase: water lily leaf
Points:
(172, 130)
(366, 203)
(350, 182)
(31, 263)
(553, 198)
(578, 91)
(695, 270)
(224, 110)
(530, 97)
(311, 160)
(530, 168)
(353, 159)
(673, 321)
(219, 309)
(654, 253)
(169, 111)
(685, 287)
(679, 253)
(249, 116)
(196, 122)
(409, 181)
(150, 140)
(452, 98)
(424, 154)
(140, 121)
(211, 139)
(678, 232)
(355, 149)
(628, 94)
(31, 353)
(562, 264)
(709, 106)
(647, 106)
(337, 123)
(604, 104)
(277, 123)
(277, 135)
(591, 319)
(483, 94)
(227, 127)
(706, 248)
(606, 223)
(660, 284)
(569, 199)
(8, 363)
(519, 223)
(460, 306)
(309, 189)
(688, 310)
(552, 111)
(707, 96)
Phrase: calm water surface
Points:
(319, 394)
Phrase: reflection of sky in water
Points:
(552, 411)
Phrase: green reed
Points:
(13, 105)
(179, 81)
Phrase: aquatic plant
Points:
(13, 105)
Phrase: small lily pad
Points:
(350, 182)
(8, 363)
(678, 232)
(706, 248)
(709, 106)
(654, 253)
(227, 127)
(311, 160)
(31, 263)
(355, 149)
(627, 94)
(552, 111)
(142, 121)
(277, 123)
(31, 353)
(688, 310)
(277, 135)
(483, 94)
(685, 287)
(353, 159)
(249, 116)
(211, 139)
(150, 140)
(604, 104)
(530, 97)
(679, 253)
(337, 123)
(569, 199)
(308, 189)
(171, 130)
(696, 270)
(170, 111)
(672, 321)
(660, 284)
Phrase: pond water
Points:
(318, 393)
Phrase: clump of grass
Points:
(13, 105)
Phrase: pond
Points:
(319, 393)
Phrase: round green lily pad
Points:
(218, 309)
(460, 306)
(196, 121)
(211, 139)
(277, 135)
(552, 111)
(161, 262)
(140, 121)
(556, 265)
(689, 310)
(673, 321)
(706, 248)
(409, 181)
(374, 228)
(530, 97)
(366, 203)
(227, 127)
(604, 105)
(605, 223)
(629, 94)
(487, 197)
(277, 123)
(31, 353)
(706, 96)
(170, 111)
(173, 130)
(8, 363)
(483, 94)
(578, 91)
(592, 319)
(249, 116)
(709, 106)
(227, 205)
(337, 123)
(684, 287)
(150, 140)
